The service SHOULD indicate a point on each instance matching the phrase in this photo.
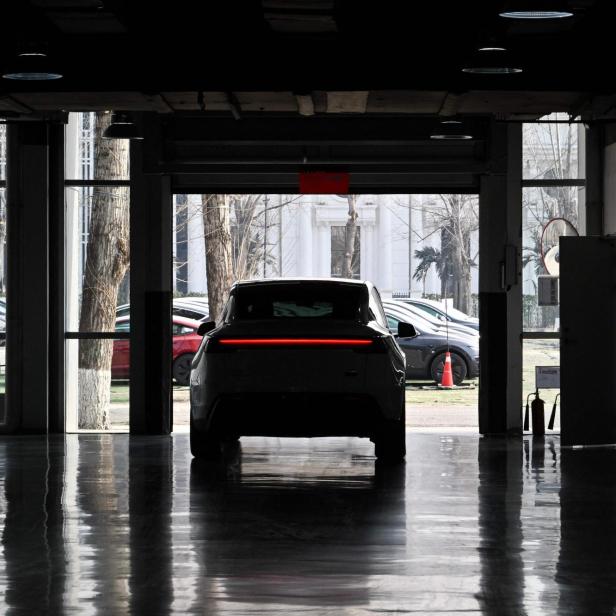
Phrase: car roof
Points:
(177, 320)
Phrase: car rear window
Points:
(293, 301)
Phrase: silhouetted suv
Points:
(299, 357)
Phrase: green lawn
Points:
(119, 392)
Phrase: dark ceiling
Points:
(346, 56)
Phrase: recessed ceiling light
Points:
(32, 66)
(492, 70)
(450, 130)
(444, 136)
(492, 49)
(491, 62)
(530, 14)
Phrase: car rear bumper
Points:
(292, 414)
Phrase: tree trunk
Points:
(106, 265)
(218, 251)
(349, 237)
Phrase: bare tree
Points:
(218, 251)
(349, 237)
(106, 264)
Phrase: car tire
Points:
(390, 442)
(181, 368)
(204, 446)
(458, 368)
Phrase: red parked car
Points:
(186, 342)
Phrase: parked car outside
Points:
(186, 342)
(437, 309)
(191, 307)
(425, 353)
(435, 321)
(180, 307)
(299, 357)
(404, 314)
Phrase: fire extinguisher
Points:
(537, 408)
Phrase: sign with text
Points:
(547, 377)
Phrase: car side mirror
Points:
(406, 330)
(206, 327)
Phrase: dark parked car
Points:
(299, 357)
(436, 309)
(425, 354)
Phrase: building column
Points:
(324, 239)
(500, 288)
(383, 249)
(601, 181)
(367, 251)
(27, 318)
(305, 239)
(151, 249)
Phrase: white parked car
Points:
(299, 357)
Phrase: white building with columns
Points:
(300, 237)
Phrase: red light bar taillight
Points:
(295, 342)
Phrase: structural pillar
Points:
(27, 323)
(151, 252)
(500, 284)
(383, 248)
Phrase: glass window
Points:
(303, 300)
(553, 151)
(97, 237)
(98, 401)
(122, 326)
(540, 204)
(345, 265)
(97, 257)
(431, 311)
(89, 157)
(376, 308)
(180, 330)
(392, 324)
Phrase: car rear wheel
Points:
(181, 369)
(458, 368)
(204, 445)
(390, 442)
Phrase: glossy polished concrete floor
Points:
(116, 525)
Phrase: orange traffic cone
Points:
(447, 380)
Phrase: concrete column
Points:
(606, 160)
(324, 239)
(500, 288)
(151, 296)
(27, 323)
(197, 278)
(56, 269)
(368, 253)
(305, 239)
(383, 249)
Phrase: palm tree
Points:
(428, 256)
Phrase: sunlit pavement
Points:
(417, 416)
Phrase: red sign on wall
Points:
(324, 182)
